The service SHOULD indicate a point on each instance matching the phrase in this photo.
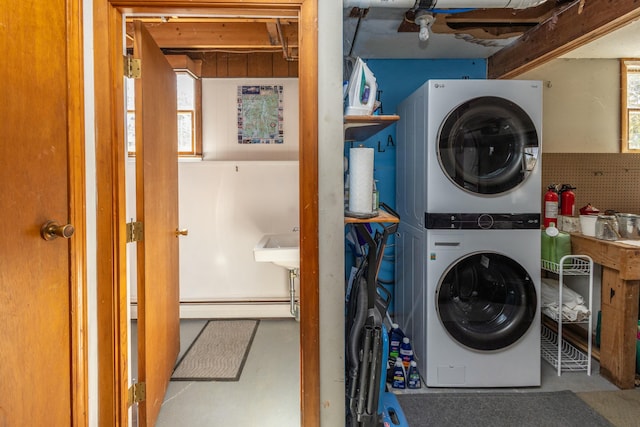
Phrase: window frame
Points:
(196, 143)
(627, 66)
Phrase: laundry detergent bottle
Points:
(395, 339)
(413, 376)
(399, 375)
(406, 352)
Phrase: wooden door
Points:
(157, 208)
(41, 376)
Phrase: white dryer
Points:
(472, 308)
(469, 146)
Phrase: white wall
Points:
(220, 121)
(90, 214)
(581, 110)
(227, 207)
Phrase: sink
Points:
(280, 249)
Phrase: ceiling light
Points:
(424, 20)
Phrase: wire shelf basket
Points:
(572, 359)
(572, 265)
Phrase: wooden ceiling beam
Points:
(272, 30)
(216, 35)
(577, 24)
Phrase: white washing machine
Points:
(470, 301)
(468, 146)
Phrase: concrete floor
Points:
(267, 393)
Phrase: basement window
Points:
(630, 105)
(189, 100)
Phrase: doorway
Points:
(218, 204)
(108, 19)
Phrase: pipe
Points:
(444, 4)
(285, 51)
(293, 309)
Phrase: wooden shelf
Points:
(359, 128)
(383, 216)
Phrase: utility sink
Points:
(280, 249)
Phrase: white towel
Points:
(573, 304)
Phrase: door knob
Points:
(182, 232)
(52, 230)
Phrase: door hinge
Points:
(135, 231)
(137, 393)
(132, 67)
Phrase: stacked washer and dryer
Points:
(468, 244)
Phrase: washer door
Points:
(487, 145)
(486, 301)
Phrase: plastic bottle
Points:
(406, 352)
(399, 375)
(413, 376)
(395, 339)
(375, 197)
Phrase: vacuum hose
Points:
(355, 335)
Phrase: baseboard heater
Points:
(229, 309)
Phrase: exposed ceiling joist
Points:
(569, 28)
(227, 35)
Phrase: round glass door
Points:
(486, 301)
(487, 145)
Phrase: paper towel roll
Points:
(361, 180)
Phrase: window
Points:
(189, 96)
(630, 97)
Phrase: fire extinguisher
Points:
(567, 200)
(550, 206)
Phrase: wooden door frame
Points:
(111, 216)
(77, 217)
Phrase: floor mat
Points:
(218, 352)
(525, 409)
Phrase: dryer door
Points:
(488, 145)
(486, 301)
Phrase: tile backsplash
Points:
(606, 180)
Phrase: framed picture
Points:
(260, 114)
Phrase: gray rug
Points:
(218, 353)
(525, 409)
